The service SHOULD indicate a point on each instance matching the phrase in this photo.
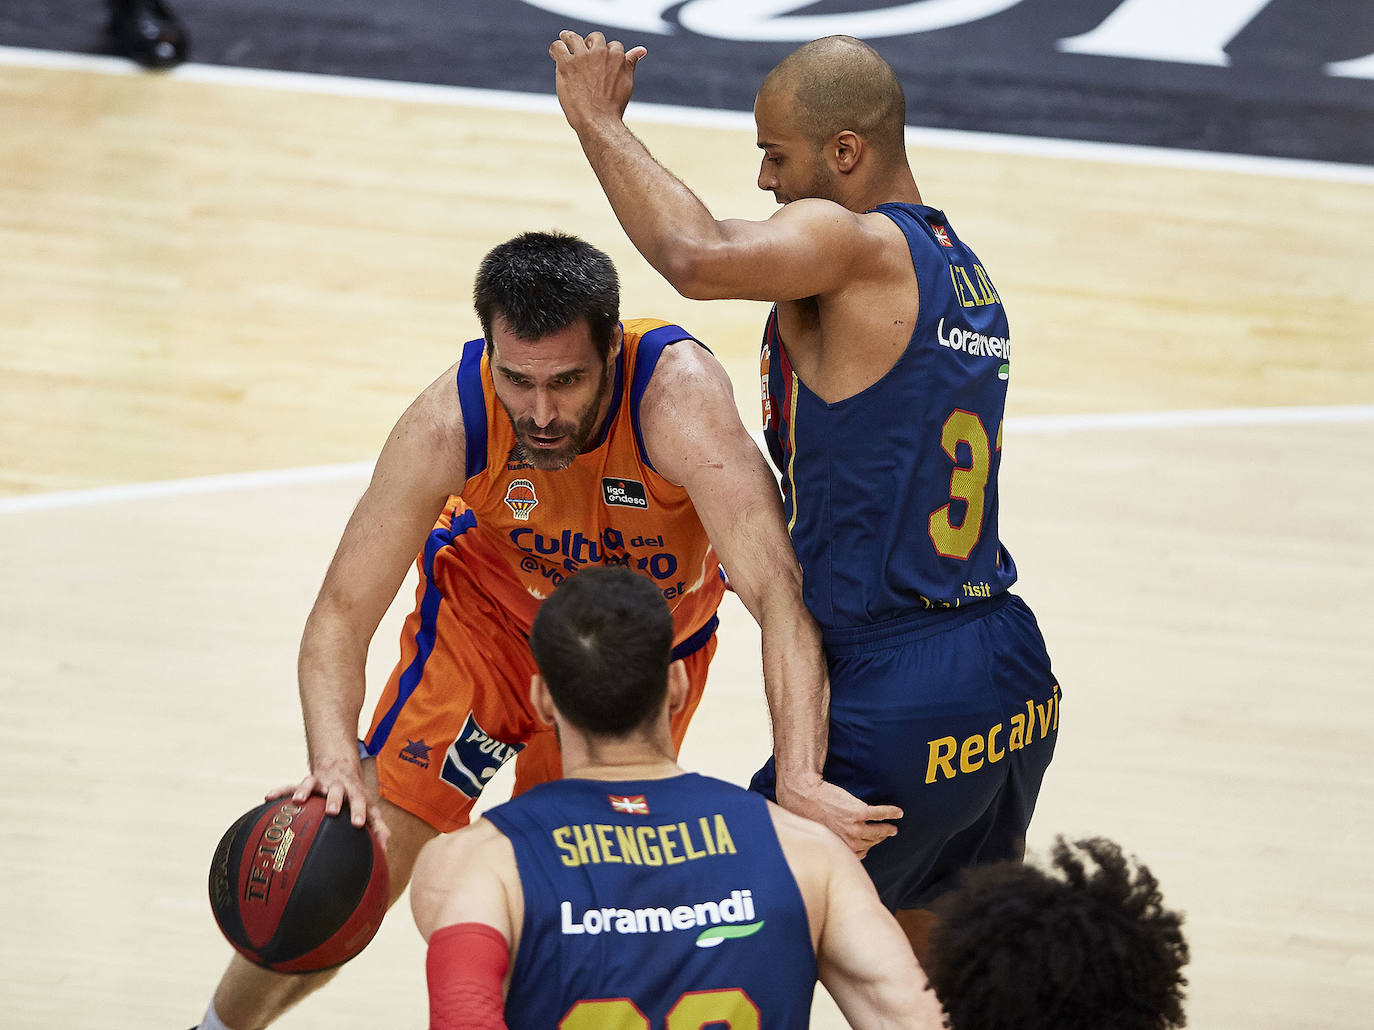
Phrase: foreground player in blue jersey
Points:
(885, 365)
(631, 894)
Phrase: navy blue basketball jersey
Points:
(654, 904)
(891, 495)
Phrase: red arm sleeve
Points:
(465, 966)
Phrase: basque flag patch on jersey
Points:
(631, 805)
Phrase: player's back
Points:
(891, 494)
(654, 903)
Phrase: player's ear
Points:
(845, 149)
(617, 340)
(541, 700)
(678, 685)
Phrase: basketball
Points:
(295, 890)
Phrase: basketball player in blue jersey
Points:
(886, 361)
(631, 894)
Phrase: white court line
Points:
(1028, 425)
(502, 100)
(1035, 424)
(102, 495)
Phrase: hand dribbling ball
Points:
(295, 890)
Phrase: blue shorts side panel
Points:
(957, 727)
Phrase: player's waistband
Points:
(697, 640)
(846, 640)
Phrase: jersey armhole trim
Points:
(650, 349)
(474, 406)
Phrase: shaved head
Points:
(838, 83)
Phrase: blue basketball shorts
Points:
(952, 716)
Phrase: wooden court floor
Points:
(203, 277)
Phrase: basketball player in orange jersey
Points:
(563, 438)
(885, 364)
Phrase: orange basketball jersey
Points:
(521, 529)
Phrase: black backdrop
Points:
(1000, 73)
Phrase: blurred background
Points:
(221, 284)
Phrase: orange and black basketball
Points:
(296, 890)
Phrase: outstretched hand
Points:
(594, 78)
(858, 824)
(336, 783)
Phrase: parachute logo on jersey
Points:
(521, 499)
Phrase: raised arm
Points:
(421, 464)
(808, 247)
(695, 438)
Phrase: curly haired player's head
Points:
(1088, 945)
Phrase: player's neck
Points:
(628, 771)
(634, 759)
(898, 188)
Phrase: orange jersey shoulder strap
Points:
(533, 527)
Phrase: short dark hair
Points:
(541, 282)
(1074, 949)
(838, 83)
(603, 642)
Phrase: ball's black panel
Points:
(224, 877)
(331, 882)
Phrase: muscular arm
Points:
(468, 904)
(420, 465)
(695, 438)
(468, 876)
(809, 247)
(864, 959)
